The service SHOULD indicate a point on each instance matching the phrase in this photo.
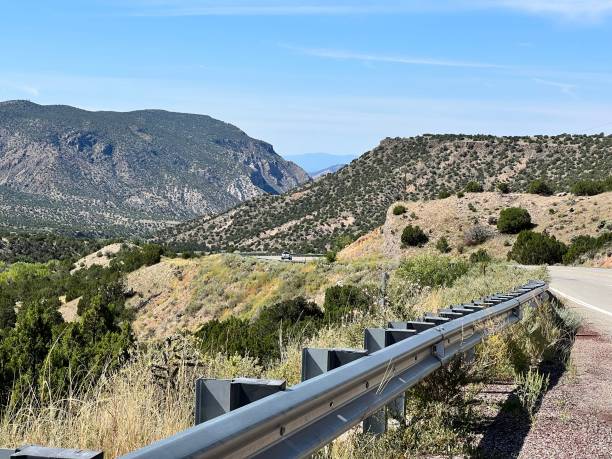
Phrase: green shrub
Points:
(432, 270)
(540, 187)
(533, 248)
(413, 236)
(474, 187)
(128, 260)
(444, 194)
(514, 220)
(530, 387)
(442, 245)
(7, 311)
(344, 300)
(399, 210)
(582, 245)
(480, 256)
(588, 188)
(331, 256)
(460, 194)
(503, 187)
(259, 338)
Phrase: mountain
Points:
(327, 170)
(123, 173)
(355, 199)
(315, 162)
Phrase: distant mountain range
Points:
(315, 163)
(111, 173)
(328, 170)
(355, 199)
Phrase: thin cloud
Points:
(572, 9)
(565, 88)
(22, 88)
(352, 56)
(269, 8)
(589, 10)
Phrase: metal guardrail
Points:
(301, 419)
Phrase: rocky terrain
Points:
(355, 199)
(109, 173)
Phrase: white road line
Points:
(580, 302)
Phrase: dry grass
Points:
(123, 412)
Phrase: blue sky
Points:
(322, 76)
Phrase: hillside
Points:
(356, 198)
(109, 173)
(561, 216)
(180, 295)
(42, 247)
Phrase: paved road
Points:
(296, 258)
(588, 289)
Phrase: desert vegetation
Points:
(540, 187)
(513, 220)
(414, 236)
(144, 393)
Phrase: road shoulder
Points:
(575, 417)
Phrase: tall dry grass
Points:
(124, 411)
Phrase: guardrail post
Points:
(316, 361)
(40, 452)
(215, 397)
(417, 325)
(375, 339)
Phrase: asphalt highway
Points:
(589, 290)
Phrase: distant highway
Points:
(587, 289)
(295, 258)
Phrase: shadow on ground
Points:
(504, 435)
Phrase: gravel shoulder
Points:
(575, 417)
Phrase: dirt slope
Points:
(562, 216)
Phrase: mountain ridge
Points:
(120, 172)
(354, 200)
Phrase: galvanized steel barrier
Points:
(297, 421)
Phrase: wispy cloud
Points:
(269, 8)
(571, 9)
(25, 89)
(565, 88)
(353, 56)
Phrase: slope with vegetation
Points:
(43, 247)
(150, 394)
(355, 199)
(179, 294)
(490, 221)
(119, 173)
